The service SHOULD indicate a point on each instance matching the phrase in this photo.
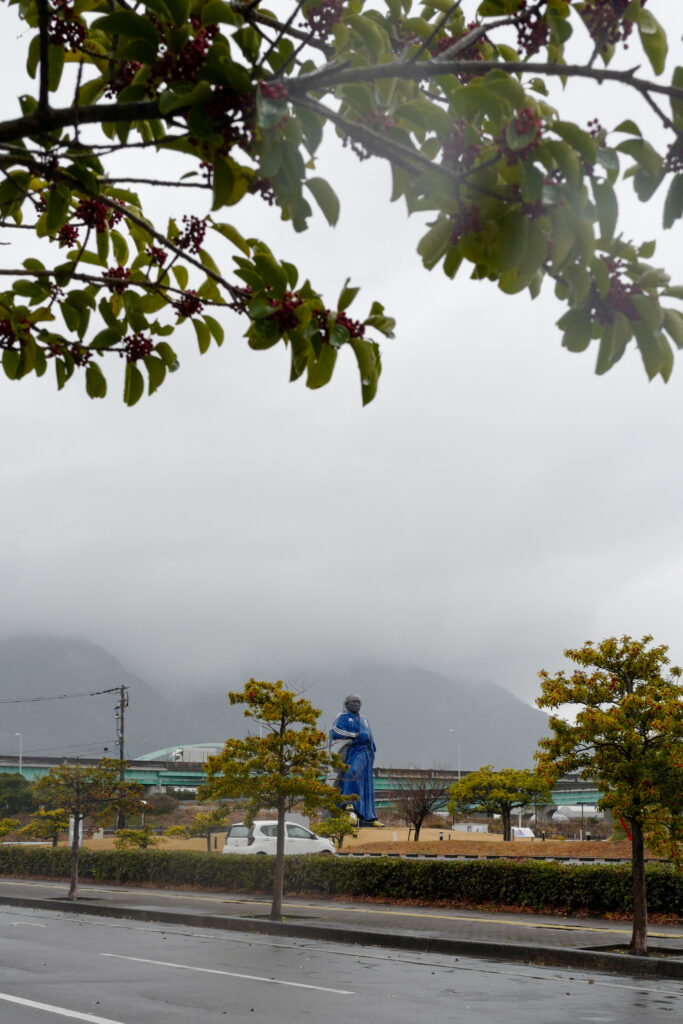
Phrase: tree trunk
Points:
(73, 881)
(278, 880)
(639, 936)
(417, 831)
(506, 816)
(54, 840)
(208, 841)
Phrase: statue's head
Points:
(353, 703)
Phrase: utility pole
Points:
(120, 738)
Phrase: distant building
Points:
(190, 753)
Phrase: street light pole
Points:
(458, 742)
(21, 750)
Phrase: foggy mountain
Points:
(411, 710)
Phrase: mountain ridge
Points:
(418, 716)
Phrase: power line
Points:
(61, 696)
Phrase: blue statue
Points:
(351, 738)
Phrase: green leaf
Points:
(55, 66)
(233, 235)
(263, 334)
(128, 25)
(120, 247)
(156, 371)
(677, 104)
(653, 39)
(167, 354)
(608, 208)
(320, 370)
(134, 385)
(103, 246)
(223, 182)
(673, 205)
(57, 208)
(181, 275)
(581, 141)
(203, 335)
(10, 362)
(629, 127)
(326, 198)
(95, 382)
(369, 366)
(433, 245)
(216, 329)
(673, 325)
(347, 295)
(644, 154)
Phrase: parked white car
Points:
(262, 838)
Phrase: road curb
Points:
(510, 952)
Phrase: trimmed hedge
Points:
(567, 888)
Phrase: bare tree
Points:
(420, 792)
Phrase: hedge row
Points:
(598, 888)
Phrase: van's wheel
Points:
(261, 853)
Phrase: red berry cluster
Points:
(80, 354)
(323, 17)
(192, 234)
(7, 334)
(189, 305)
(605, 22)
(234, 115)
(63, 27)
(183, 66)
(355, 328)
(124, 75)
(674, 156)
(121, 275)
(532, 28)
(475, 51)
(465, 221)
(285, 316)
(96, 214)
(137, 346)
(157, 255)
(595, 129)
(618, 298)
(273, 91)
(262, 187)
(458, 153)
(67, 235)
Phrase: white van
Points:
(262, 838)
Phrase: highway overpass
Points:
(159, 775)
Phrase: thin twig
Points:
(437, 28)
(282, 29)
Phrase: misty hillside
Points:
(33, 667)
(411, 710)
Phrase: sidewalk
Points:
(585, 944)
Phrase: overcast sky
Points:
(496, 503)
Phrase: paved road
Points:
(56, 967)
(537, 929)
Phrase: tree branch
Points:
(331, 77)
(43, 26)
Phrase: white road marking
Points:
(27, 924)
(59, 1010)
(230, 974)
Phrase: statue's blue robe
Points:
(359, 759)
